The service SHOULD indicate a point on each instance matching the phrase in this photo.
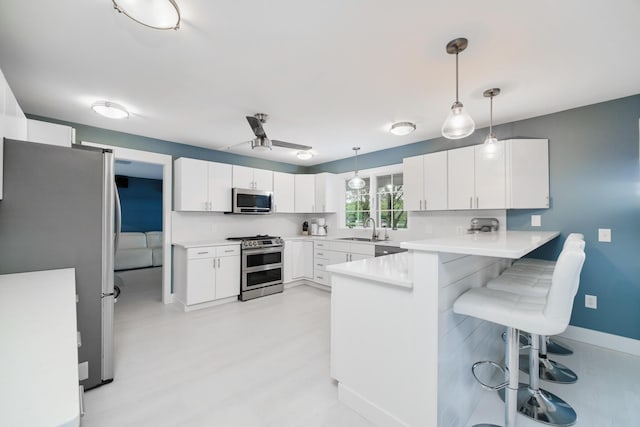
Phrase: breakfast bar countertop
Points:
(502, 244)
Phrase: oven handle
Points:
(259, 251)
(262, 268)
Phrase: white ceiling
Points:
(331, 74)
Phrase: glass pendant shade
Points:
(158, 14)
(356, 183)
(458, 124)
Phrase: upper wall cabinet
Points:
(50, 133)
(255, 179)
(283, 192)
(327, 193)
(13, 123)
(528, 173)
(476, 177)
(305, 190)
(425, 182)
(202, 186)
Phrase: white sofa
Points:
(139, 250)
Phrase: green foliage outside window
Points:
(357, 207)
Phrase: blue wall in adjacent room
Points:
(594, 183)
(137, 142)
(141, 205)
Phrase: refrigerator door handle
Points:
(118, 224)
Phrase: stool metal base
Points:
(544, 407)
(550, 370)
(486, 425)
(555, 347)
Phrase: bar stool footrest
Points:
(494, 365)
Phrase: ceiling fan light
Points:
(458, 124)
(356, 183)
(110, 110)
(402, 128)
(157, 14)
(261, 144)
(304, 155)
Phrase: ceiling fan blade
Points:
(290, 145)
(256, 127)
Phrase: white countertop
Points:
(390, 269)
(502, 244)
(39, 368)
(395, 243)
(206, 243)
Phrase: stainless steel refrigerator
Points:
(59, 211)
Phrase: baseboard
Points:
(602, 339)
(308, 283)
(367, 409)
(188, 308)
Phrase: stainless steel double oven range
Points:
(262, 269)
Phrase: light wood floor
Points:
(260, 363)
(265, 363)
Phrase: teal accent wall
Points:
(137, 142)
(141, 205)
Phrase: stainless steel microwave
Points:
(247, 201)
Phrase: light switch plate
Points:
(536, 220)
(604, 235)
(591, 301)
(83, 371)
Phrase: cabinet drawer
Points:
(320, 264)
(321, 254)
(228, 250)
(322, 277)
(320, 245)
(196, 253)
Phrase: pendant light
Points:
(356, 183)
(458, 124)
(491, 140)
(157, 14)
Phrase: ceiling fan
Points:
(262, 142)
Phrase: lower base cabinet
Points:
(206, 274)
(332, 252)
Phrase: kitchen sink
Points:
(360, 239)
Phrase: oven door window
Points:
(259, 259)
(264, 277)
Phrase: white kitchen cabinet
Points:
(476, 178)
(50, 133)
(254, 179)
(490, 176)
(283, 192)
(305, 188)
(327, 192)
(425, 182)
(461, 178)
(206, 274)
(527, 173)
(298, 260)
(337, 252)
(202, 186)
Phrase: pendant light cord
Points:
(356, 162)
(491, 116)
(457, 101)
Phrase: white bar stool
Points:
(535, 281)
(552, 346)
(538, 316)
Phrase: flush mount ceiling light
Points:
(304, 155)
(356, 183)
(402, 128)
(458, 124)
(157, 14)
(110, 110)
(491, 139)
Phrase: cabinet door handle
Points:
(218, 262)
(202, 253)
(420, 204)
(320, 253)
(470, 202)
(229, 250)
(214, 263)
(477, 202)
(346, 256)
(425, 204)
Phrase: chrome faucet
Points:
(374, 236)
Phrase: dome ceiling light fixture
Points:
(356, 183)
(402, 128)
(110, 110)
(156, 14)
(304, 155)
(491, 140)
(459, 123)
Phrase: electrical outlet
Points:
(604, 235)
(591, 301)
(536, 220)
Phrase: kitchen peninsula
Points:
(399, 353)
